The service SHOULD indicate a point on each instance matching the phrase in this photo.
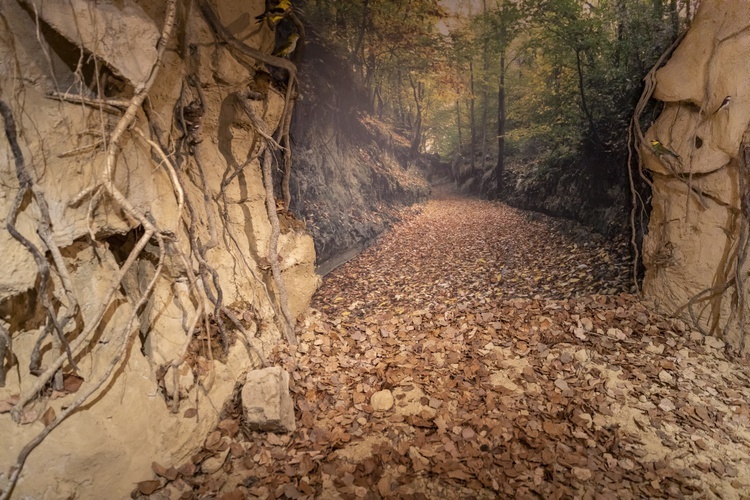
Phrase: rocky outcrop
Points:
(352, 172)
(698, 231)
(187, 166)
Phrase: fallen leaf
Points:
(48, 417)
(149, 487)
(72, 382)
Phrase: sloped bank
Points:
(352, 173)
(592, 192)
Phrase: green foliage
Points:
(572, 68)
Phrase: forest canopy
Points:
(536, 84)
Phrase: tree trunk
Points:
(458, 125)
(500, 167)
(472, 122)
(674, 18)
(584, 106)
(359, 45)
(485, 67)
(416, 140)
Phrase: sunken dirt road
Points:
(478, 351)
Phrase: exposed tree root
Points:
(106, 184)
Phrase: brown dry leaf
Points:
(384, 487)
(553, 429)
(274, 440)
(7, 404)
(48, 417)
(187, 469)
(72, 382)
(235, 494)
(149, 487)
(230, 426)
(213, 441)
(468, 433)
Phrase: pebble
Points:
(582, 356)
(666, 377)
(714, 342)
(213, 464)
(666, 405)
(382, 400)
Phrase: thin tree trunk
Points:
(458, 125)
(472, 125)
(485, 67)
(500, 167)
(584, 105)
(359, 46)
(417, 91)
(674, 18)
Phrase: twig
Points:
(112, 106)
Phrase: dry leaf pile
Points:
(467, 356)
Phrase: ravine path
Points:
(479, 351)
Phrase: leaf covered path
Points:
(479, 351)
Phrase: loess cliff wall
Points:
(695, 252)
(186, 174)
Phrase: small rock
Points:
(382, 400)
(566, 357)
(213, 464)
(561, 384)
(581, 474)
(666, 405)
(655, 349)
(266, 402)
(616, 334)
(723, 367)
(666, 377)
(696, 336)
(714, 342)
(582, 356)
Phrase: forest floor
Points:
(478, 351)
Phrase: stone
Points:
(382, 400)
(266, 402)
(714, 343)
(666, 377)
(214, 464)
(582, 356)
(666, 405)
